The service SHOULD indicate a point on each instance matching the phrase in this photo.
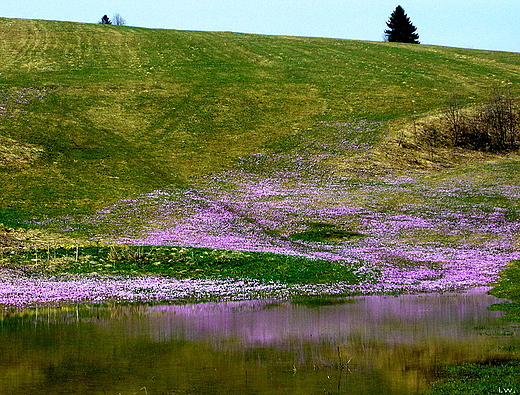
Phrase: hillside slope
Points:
(90, 114)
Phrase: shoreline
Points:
(18, 292)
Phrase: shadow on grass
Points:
(324, 232)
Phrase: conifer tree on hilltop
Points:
(105, 20)
(401, 30)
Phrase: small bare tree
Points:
(502, 120)
(118, 20)
(455, 119)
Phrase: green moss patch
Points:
(493, 377)
(327, 233)
(508, 287)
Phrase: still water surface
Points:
(366, 345)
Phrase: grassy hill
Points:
(90, 114)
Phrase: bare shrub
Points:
(455, 119)
(118, 20)
(495, 126)
(501, 119)
(432, 136)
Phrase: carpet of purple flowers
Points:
(18, 292)
(424, 231)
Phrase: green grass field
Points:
(91, 114)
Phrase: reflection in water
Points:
(366, 345)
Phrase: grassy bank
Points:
(495, 377)
(242, 142)
(508, 287)
(183, 263)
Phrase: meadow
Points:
(302, 148)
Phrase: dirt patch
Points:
(14, 241)
(14, 154)
(27, 239)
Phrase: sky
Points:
(477, 24)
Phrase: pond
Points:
(358, 345)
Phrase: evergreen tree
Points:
(105, 20)
(401, 30)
